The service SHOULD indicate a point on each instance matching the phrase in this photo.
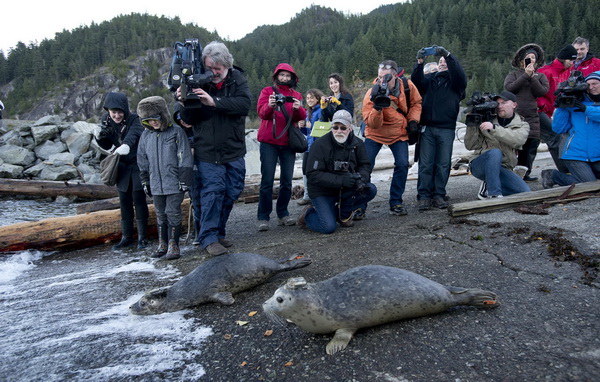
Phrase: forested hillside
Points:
(483, 34)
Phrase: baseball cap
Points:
(507, 96)
(343, 117)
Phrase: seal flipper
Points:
(475, 297)
(340, 340)
(295, 261)
(225, 298)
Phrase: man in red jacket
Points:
(586, 62)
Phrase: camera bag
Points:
(109, 169)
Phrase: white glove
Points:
(123, 149)
(96, 132)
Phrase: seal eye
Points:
(279, 300)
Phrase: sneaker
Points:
(303, 202)
(528, 178)
(359, 214)
(520, 170)
(424, 204)
(347, 223)
(398, 209)
(495, 196)
(440, 203)
(263, 225)
(225, 243)
(482, 194)
(547, 181)
(215, 249)
(286, 220)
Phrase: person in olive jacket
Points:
(120, 130)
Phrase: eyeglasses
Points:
(386, 66)
(338, 127)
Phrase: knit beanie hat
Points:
(593, 76)
(154, 107)
(567, 53)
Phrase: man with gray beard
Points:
(339, 173)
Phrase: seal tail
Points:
(297, 260)
(474, 297)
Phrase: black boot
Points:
(142, 229)
(127, 235)
(196, 232)
(173, 250)
(163, 238)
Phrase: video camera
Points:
(481, 108)
(571, 90)
(187, 71)
(380, 94)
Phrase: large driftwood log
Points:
(46, 188)
(488, 205)
(72, 232)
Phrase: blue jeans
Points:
(222, 185)
(500, 180)
(269, 155)
(400, 152)
(324, 213)
(435, 158)
(580, 172)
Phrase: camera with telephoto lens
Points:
(571, 90)
(188, 72)
(380, 94)
(340, 165)
(280, 99)
(481, 108)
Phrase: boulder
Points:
(48, 120)
(17, 155)
(11, 171)
(78, 143)
(44, 133)
(52, 172)
(48, 148)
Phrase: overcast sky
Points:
(37, 20)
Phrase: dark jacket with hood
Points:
(164, 155)
(219, 132)
(127, 132)
(268, 114)
(441, 92)
(528, 89)
(323, 180)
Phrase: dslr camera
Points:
(380, 94)
(481, 107)
(341, 166)
(571, 90)
(280, 99)
(188, 72)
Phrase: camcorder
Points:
(481, 108)
(187, 71)
(380, 94)
(343, 166)
(571, 90)
(280, 99)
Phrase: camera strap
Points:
(288, 118)
(407, 96)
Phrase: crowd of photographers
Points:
(558, 103)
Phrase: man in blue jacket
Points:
(442, 92)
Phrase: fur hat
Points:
(524, 50)
(154, 107)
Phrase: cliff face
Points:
(82, 99)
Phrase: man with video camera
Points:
(388, 117)
(219, 141)
(494, 143)
(339, 174)
(442, 92)
(580, 119)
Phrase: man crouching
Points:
(339, 173)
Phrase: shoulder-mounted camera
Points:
(187, 71)
(571, 90)
(481, 107)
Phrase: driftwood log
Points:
(488, 205)
(72, 232)
(47, 188)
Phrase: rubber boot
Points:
(163, 238)
(142, 229)
(173, 251)
(127, 235)
(196, 232)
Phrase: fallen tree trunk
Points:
(72, 232)
(47, 188)
(488, 205)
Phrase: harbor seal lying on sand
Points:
(365, 296)
(216, 280)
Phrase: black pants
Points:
(526, 155)
(129, 199)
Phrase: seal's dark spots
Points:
(279, 300)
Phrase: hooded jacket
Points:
(555, 73)
(507, 138)
(388, 126)
(164, 155)
(269, 115)
(323, 180)
(127, 132)
(528, 89)
(441, 92)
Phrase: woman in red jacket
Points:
(277, 106)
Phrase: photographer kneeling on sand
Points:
(339, 173)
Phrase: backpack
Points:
(412, 137)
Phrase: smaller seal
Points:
(363, 297)
(216, 280)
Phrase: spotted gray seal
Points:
(365, 296)
(216, 280)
